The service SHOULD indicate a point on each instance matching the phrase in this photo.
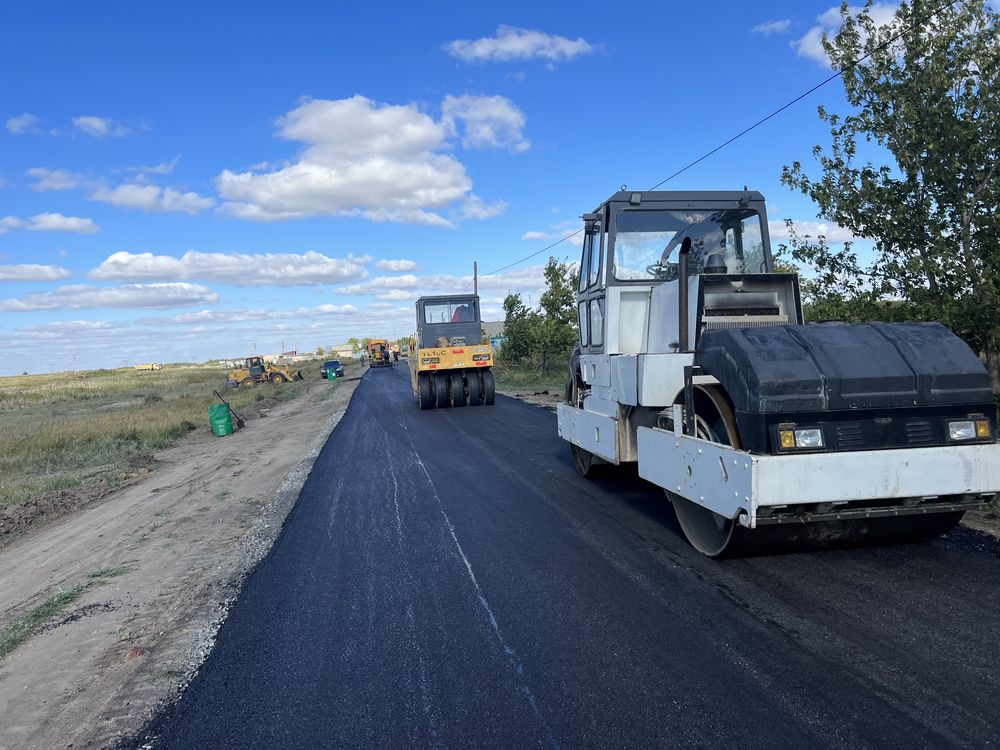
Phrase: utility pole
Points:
(475, 277)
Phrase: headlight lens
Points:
(808, 438)
(962, 429)
(812, 438)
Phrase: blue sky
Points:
(183, 181)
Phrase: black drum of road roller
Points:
(803, 372)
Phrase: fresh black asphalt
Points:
(447, 580)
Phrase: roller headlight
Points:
(808, 438)
(812, 438)
(962, 429)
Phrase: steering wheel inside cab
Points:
(663, 270)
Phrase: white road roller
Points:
(694, 362)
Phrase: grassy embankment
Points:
(61, 430)
(528, 379)
(21, 628)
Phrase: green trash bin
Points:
(221, 419)
(331, 375)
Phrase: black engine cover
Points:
(809, 369)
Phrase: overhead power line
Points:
(837, 74)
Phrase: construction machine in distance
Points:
(450, 363)
(378, 353)
(766, 433)
(255, 370)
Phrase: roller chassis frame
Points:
(772, 489)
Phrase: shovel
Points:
(240, 424)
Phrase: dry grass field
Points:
(67, 430)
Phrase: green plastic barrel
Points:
(331, 375)
(220, 419)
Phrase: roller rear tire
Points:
(475, 389)
(424, 392)
(441, 391)
(457, 389)
(489, 388)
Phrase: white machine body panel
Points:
(729, 481)
(592, 432)
(661, 378)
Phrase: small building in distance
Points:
(494, 329)
(340, 351)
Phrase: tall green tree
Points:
(557, 325)
(545, 335)
(932, 100)
(519, 329)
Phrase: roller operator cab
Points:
(450, 359)
(695, 363)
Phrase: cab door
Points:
(590, 294)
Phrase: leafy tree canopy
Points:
(931, 98)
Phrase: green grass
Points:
(61, 430)
(18, 630)
(527, 378)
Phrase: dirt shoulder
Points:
(185, 534)
(986, 521)
(547, 399)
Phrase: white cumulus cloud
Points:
(570, 234)
(22, 124)
(239, 314)
(834, 234)
(238, 269)
(828, 23)
(528, 280)
(100, 127)
(152, 198)
(165, 167)
(10, 222)
(56, 222)
(396, 266)
(81, 296)
(32, 272)
(513, 43)
(772, 27)
(476, 208)
(50, 222)
(54, 179)
(65, 328)
(382, 283)
(383, 162)
(485, 122)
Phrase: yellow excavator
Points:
(255, 370)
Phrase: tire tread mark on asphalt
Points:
(866, 669)
(511, 654)
(426, 703)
